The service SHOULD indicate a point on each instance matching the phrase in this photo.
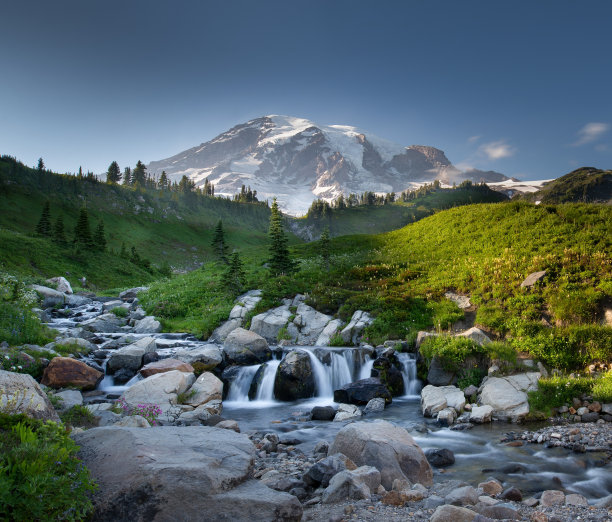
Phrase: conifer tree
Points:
(99, 238)
(41, 165)
(43, 228)
(218, 242)
(324, 247)
(59, 235)
(280, 263)
(127, 176)
(139, 174)
(113, 174)
(163, 181)
(82, 232)
(234, 278)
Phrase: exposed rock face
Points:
(105, 323)
(209, 355)
(130, 357)
(244, 304)
(190, 472)
(352, 331)
(245, 347)
(506, 395)
(308, 325)
(294, 377)
(533, 278)
(269, 324)
(62, 284)
(328, 332)
(206, 388)
(64, 371)
(363, 391)
(434, 399)
(50, 297)
(22, 394)
(161, 389)
(165, 365)
(147, 325)
(387, 447)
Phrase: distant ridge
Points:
(583, 185)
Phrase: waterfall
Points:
(321, 374)
(366, 369)
(340, 372)
(239, 388)
(412, 386)
(265, 391)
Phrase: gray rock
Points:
(309, 323)
(269, 324)
(294, 377)
(20, 393)
(69, 398)
(449, 513)
(132, 292)
(440, 457)
(245, 347)
(354, 485)
(206, 388)
(507, 395)
(533, 278)
(161, 389)
(61, 284)
(68, 341)
(221, 332)
(499, 512)
(185, 472)
(421, 336)
(590, 416)
(552, 497)
(470, 390)
(74, 300)
(436, 398)
(573, 499)
(133, 421)
(323, 413)
(362, 391)
(147, 325)
(481, 414)
(376, 405)
(328, 332)
(437, 375)
(447, 417)
(131, 357)
(352, 331)
(209, 355)
(476, 335)
(433, 501)
(387, 447)
(463, 496)
(50, 298)
(347, 411)
(320, 473)
(109, 305)
(105, 323)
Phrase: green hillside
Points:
(584, 185)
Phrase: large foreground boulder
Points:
(172, 473)
(64, 372)
(243, 347)
(507, 395)
(20, 393)
(388, 448)
(50, 297)
(363, 391)
(161, 389)
(294, 378)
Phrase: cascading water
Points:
(412, 385)
(239, 390)
(265, 392)
(366, 369)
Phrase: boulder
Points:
(481, 414)
(328, 332)
(63, 372)
(207, 414)
(386, 369)
(309, 323)
(109, 305)
(552, 497)
(147, 325)
(50, 298)
(320, 473)
(449, 513)
(131, 293)
(269, 324)
(352, 331)
(105, 323)
(347, 411)
(387, 447)
(440, 457)
(83, 344)
(433, 400)
(209, 355)
(353, 485)
(447, 416)
(363, 391)
(476, 335)
(463, 496)
(533, 278)
(130, 357)
(376, 405)
(20, 393)
(245, 347)
(74, 300)
(224, 329)
(186, 472)
(61, 284)
(437, 375)
(294, 377)
(165, 365)
(573, 499)
(491, 487)
(323, 413)
(506, 395)
(161, 389)
(133, 421)
(69, 398)
(206, 388)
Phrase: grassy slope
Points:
(586, 185)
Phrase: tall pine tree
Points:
(41, 165)
(234, 278)
(218, 242)
(280, 263)
(82, 232)
(113, 174)
(139, 174)
(43, 227)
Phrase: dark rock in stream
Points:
(363, 391)
(323, 413)
(440, 458)
(294, 378)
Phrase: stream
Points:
(478, 451)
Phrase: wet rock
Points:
(131, 356)
(387, 447)
(64, 372)
(440, 457)
(491, 487)
(446, 417)
(513, 494)
(363, 391)
(323, 413)
(589, 417)
(386, 369)
(552, 497)
(105, 323)
(210, 356)
(481, 414)
(449, 513)
(245, 348)
(165, 365)
(321, 448)
(463, 496)
(294, 378)
(376, 405)
(25, 396)
(347, 411)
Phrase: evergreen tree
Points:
(41, 165)
(163, 181)
(324, 247)
(59, 235)
(218, 242)
(80, 174)
(43, 228)
(234, 278)
(280, 263)
(127, 176)
(82, 232)
(139, 174)
(113, 174)
(99, 238)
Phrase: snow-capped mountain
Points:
(298, 161)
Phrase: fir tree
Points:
(218, 242)
(280, 263)
(234, 278)
(127, 176)
(113, 174)
(43, 228)
(41, 165)
(139, 174)
(59, 235)
(82, 232)
(99, 238)
(163, 181)
(324, 247)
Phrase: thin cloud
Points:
(495, 150)
(590, 132)
(473, 139)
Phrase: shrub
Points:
(17, 362)
(79, 416)
(452, 351)
(18, 325)
(40, 476)
(119, 311)
(148, 411)
(576, 305)
(283, 335)
(554, 392)
(602, 389)
(470, 376)
(336, 340)
(183, 397)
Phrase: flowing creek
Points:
(478, 451)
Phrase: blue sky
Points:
(521, 87)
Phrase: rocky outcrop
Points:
(187, 472)
(20, 393)
(269, 324)
(206, 388)
(352, 332)
(244, 304)
(363, 391)
(130, 357)
(328, 332)
(294, 378)
(105, 323)
(61, 284)
(507, 395)
(244, 347)
(388, 448)
(50, 298)
(165, 365)
(210, 356)
(63, 372)
(147, 325)
(307, 325)
(161, 389)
